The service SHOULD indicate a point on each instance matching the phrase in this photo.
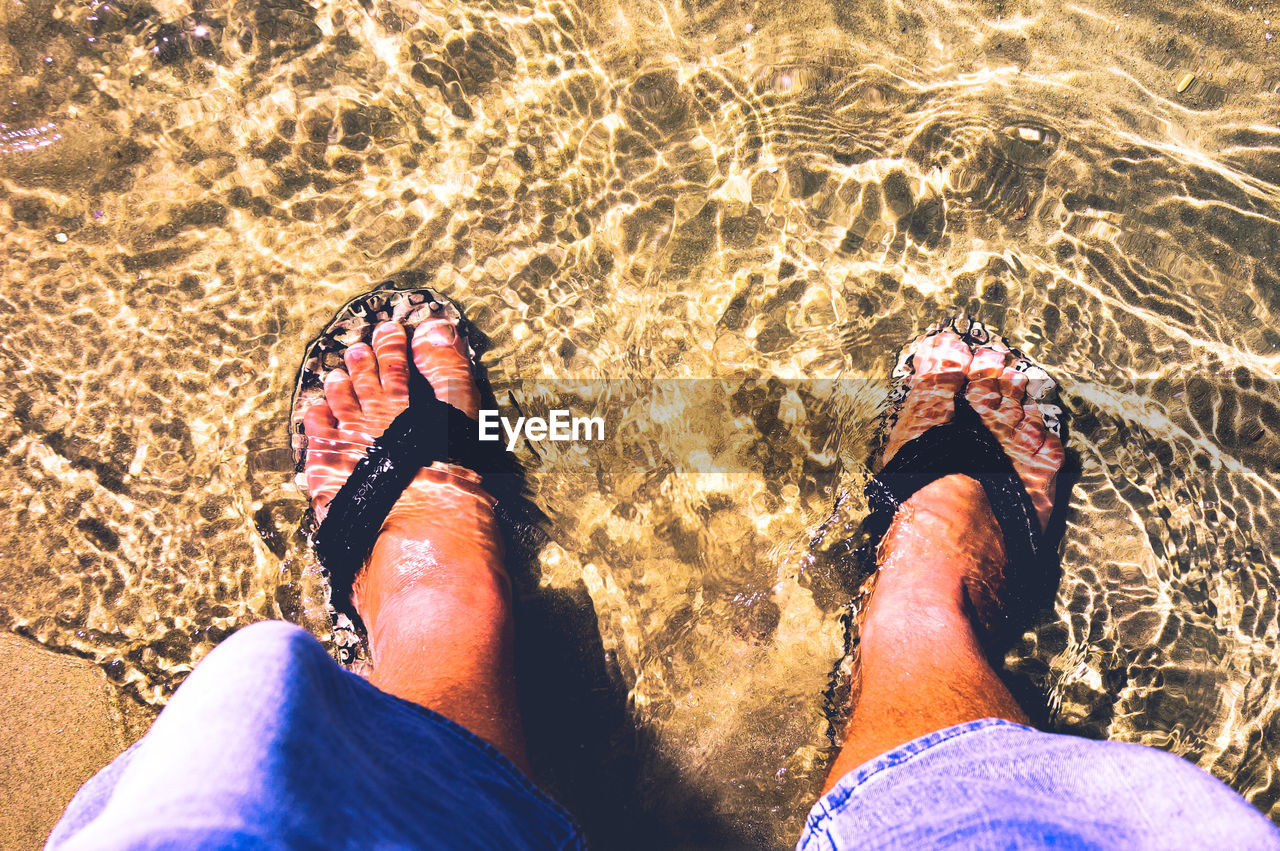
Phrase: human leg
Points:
(937, 753)
(270, 743)
(434, 596)
(923, 659)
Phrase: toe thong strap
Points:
(962, 446)
(427, 431)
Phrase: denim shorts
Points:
(992, 784)
(270, 744)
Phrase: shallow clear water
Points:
(733, 191)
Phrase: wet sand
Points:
(60, 721)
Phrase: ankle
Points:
(954, 506)
(438, 543)
(943, 556)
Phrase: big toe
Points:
(944, 353)
(985, 369)
(938, 374)
(440, 354)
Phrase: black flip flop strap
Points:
(962, 446)
(427, 431)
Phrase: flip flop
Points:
(427, 431)
(964, 445)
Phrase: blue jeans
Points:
(270, 744)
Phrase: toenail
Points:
(441, 335)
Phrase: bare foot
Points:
(938, 601)
(434, 595)
(444, 510)
(944, 543)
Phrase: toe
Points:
(1009, 414)
(318, 421)
(391, 346)
(440, 354)
(341, 395)
(1013, 384)
(362, 366)
(988, 362)
(1029, 436)
(983, 388)
(983, 396)
(933, 399)
(942, 353)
